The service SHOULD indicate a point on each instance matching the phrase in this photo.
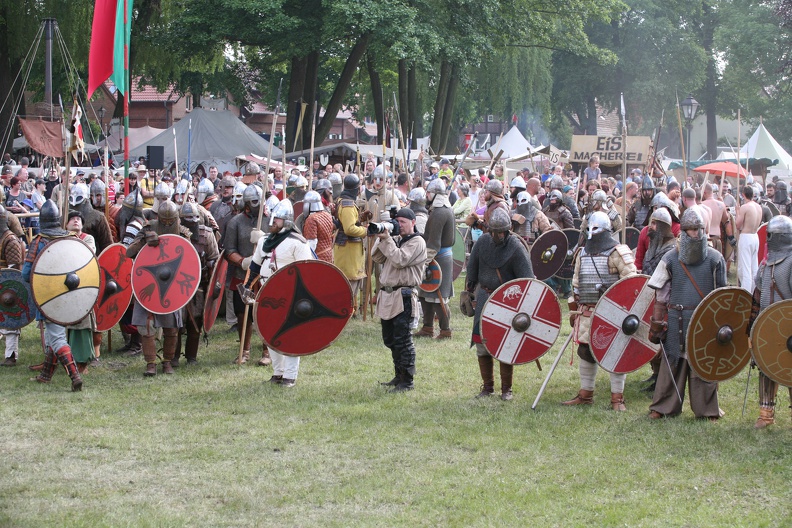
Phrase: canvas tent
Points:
(513, 144)
(217, 138)
(137, 136)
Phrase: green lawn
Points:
(215, 445)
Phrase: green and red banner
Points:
(106, 57)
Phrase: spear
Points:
(399, 129)
(681, 139)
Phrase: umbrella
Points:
(726, 168)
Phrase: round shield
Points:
(65, 280)
(298, 207)
(578, 222)
(773, 207)
(303, 307)
(548, 253)
(520, 321)
(632, 234)
(771, 336)
(762, 234)
(717, 342)
(620, 326)
(433, 276)
(166, 276)
(115, 286)
(458, 252)
(567, 269)
(16, 300)
(215, 292)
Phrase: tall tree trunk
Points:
(439, 106)
(310, 96)
(344, 80)
(376, 94)
(414, 124)
(7, 91)
(448, 111)
(710, 87)
(404, 101)
(296, 89)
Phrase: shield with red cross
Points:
(620, 326)
(520, 321)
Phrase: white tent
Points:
(137, 136)
(513, 144)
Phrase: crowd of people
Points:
(381, 228)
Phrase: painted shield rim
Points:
(285, 269)
(549, 235)
(437, 275)
(197, 282)
(549, 294)
(221, 261)
(635, 237)
(767, 315)
(739, 332)
(106, 251)
(29, 290)
(70, 239)
(599, 307)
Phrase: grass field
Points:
(215, 445)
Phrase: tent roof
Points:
(137, 136)
(513, 143)
(763, 145)
(217, 137)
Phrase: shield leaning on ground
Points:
(717, 342)
(520, 321)
(771, 336)
(215, 292)
(567, 269)
(548, 253)
(433, 276)
(303, 307)
(620, 326)
(166, 276)
(631, 234)
(115, 286)
(762, 234)
(16, 300)
(458, 252)
(65, 280)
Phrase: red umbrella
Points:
(729, 168)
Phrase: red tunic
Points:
(319, 226)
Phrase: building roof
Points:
(148, 94)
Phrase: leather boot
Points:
(67, 360)
(405, 382)
(135, 347)
(766, 417)
(395, 380)
(170, 339)
(151, 369)
(487, 369)
(425, 331)
(444, 334)
(584, 397)
(167, 368)
(506, 374)
(47, 369)
(265, 357)
(617, 401)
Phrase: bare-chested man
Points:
(749, 217)
(691, 199)
(720, 215)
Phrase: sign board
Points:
(610, 149)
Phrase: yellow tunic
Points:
(349, 256)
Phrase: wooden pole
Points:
(681, 140)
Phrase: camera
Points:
(391, 227)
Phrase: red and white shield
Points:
(620, 326)
(520, 321)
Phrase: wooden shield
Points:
(16, 300)
(762, 234)
(65, 280)
(632, 234)
(578, 222)
(303, 307)
(115, 286)
(773, 207)
(215, 292)
(165, 277)
(771, 336)
(458, 251)
(548, 253)
(433, 276)
(620, 326)
(567, 269)
(717, 342)
(520, 321)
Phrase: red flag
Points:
(100, 57)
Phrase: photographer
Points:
(402, 271)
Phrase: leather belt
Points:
(680, 307)
(391, 289)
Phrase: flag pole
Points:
(624, 171)
(126, 98)
(189, 146)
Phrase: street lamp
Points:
(689, 108)
(101, 119)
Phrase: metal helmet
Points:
(134, 201)
(598, 222)
(313, 201)
(494, 187)
(272, 201)
(523, 198)
(323, 185)
(228, 181)
(647, 184)
(285, 211)
(168, 213)
(781, 193)
(556, 182)
(351, 182)
(181, 187)
(691, 219)
(661, 199)
(417, 196)
(518, 183)
(379, 173)
(692, 249)
(252, 168)
(599, 198)
(435, 187)
(335, 178)
(499, 221)
(555, 195)
(98, 189)
(662, 215)
(779, 235)
(251, 197)
(49, 216)
(189, 213)
(204, 191)
(239, 191)
(163, 192)
(78, 194)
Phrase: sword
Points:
(550, 373)
(670, 371)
